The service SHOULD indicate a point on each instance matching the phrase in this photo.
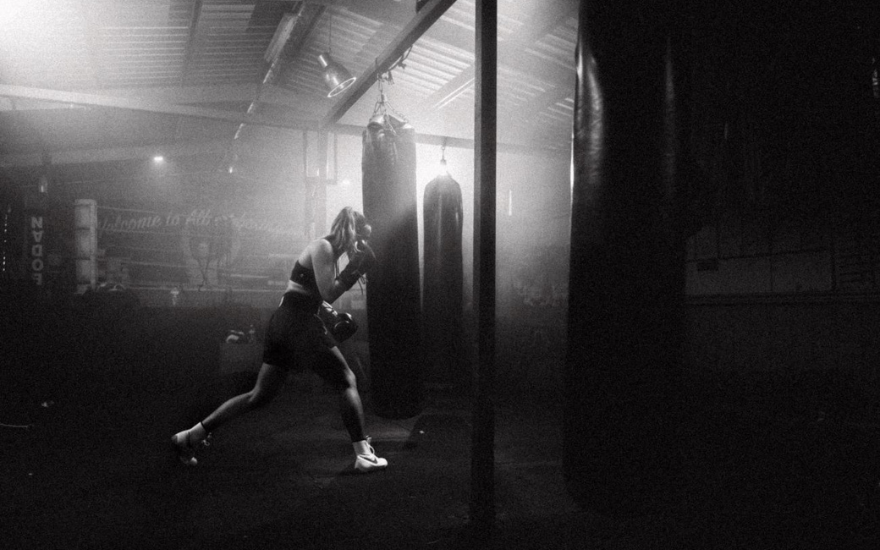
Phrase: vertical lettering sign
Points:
(36, 248)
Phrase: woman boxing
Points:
(296, 337)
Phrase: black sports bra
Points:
(305, 276)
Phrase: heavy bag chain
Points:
(382, 105)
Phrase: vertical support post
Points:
(482, 505)
(85, 219)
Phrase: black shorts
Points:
(296, 336)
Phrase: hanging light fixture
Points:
(337, 78)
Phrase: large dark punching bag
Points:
(443, 284)
(626, 285)
(393, 290)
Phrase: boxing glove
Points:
(358, 265)
(341, 326)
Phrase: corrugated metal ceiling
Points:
(211, 54)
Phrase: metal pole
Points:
(482, 506)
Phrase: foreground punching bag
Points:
(393, 292)
(443, 332)
(626, 282)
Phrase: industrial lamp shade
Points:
(336, 77)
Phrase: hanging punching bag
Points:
(393, 292)
(626, 282)
(443, 330)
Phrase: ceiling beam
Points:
(526, 114)
(450, 91)
(94, 100)
(461, 143)
(188, 95)
(195, 15)
(110, 154)
(430, 12)
(191, 148)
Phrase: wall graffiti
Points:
(117, 219)
(195, 246)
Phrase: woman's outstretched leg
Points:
(269, 381)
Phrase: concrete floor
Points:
(97, 473)
(92, 475)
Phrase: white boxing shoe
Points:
(366, 460)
